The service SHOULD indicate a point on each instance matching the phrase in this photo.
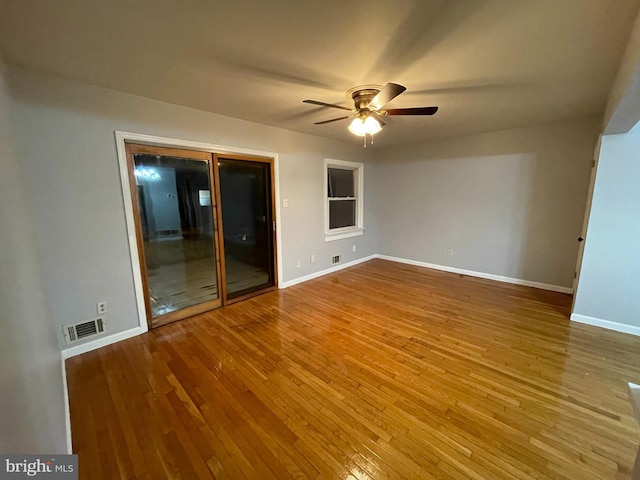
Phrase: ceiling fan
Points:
(369, 102)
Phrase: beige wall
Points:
(623, 104)
(65, 138)
(32, 413)
(507, 203)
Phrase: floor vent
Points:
(335, 259)
(78, 331)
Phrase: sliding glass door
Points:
(248, 224)
(205, 228)
(177, 239)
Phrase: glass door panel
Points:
(177, 230)
(247, 225)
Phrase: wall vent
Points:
(335, 259)
(78, 331)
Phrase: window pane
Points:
(342, 213)
(341, 183)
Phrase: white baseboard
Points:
(67, 411)
(471, 273)
(598, 322)
(102, 342)
(321, 273)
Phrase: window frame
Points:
(331, 234)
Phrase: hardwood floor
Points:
(381, 371)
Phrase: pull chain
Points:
(364, 140)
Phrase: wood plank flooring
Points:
(381, 371)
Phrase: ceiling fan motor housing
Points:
(363, 95)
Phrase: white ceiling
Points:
(488, 64)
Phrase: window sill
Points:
(347, 233)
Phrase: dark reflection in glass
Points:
(341, 183)
(245, 192)
(342, 213)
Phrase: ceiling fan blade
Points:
(384, 96)
(412, 111)
(322, 104)
(332, 120)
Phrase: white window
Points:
(343, 190)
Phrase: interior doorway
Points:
(182, 204)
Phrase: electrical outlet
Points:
(285, 203)
(312, 258)
(101, 307)
(450, 252)
(299, 263)
(353, 248)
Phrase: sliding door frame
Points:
(180, 314)
(257, 159)
(121, 138)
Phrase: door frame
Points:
(585, 220)
(136, 148)
(122, 138)
(258, 159)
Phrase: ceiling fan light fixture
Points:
(364, 126)
(357, 127)
(369, 103)
(371, 125)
